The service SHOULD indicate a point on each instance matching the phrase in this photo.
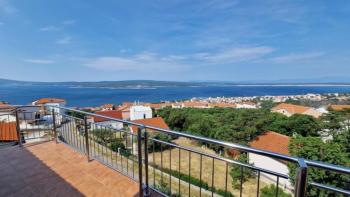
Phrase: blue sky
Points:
(85, 40)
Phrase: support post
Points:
(18, 129)
(86, 129)
(301, 179)
(147, 192)
(139, 156)
(54, 125)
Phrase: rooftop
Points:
(49, 100)
(154, 122)
(272, 141)
(111, 113)
(291, 108)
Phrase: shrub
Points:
(269, 191)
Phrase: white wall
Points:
(272, 165)
(5, 117)
(55, 106)
(140, 112)
(114, 124)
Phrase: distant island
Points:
(155, 83)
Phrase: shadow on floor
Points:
(22, 174)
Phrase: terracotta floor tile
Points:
(50, 169)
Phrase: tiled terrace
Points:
(50, 169)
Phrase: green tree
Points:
(158, 146)
(103, 136)
(314, 148)
(239, 173)
(116, 144)
(303, 125)
(268, 104)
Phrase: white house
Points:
(273, 142)
(246, 105)
(117, 114)
(291, 109)
(52, 103)
(140, 112)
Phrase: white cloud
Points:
(68, 22)
(231, 55)
(39, 61)
(6, 8)
(49, 28)
(142, 62)
(64, 40)
(296, 57)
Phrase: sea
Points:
(86, 97)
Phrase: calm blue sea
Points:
(97, 96)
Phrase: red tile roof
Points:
(5, 107)
(154, 122)
(112, 113)
(8, 131)
(272, 141)
(49, 100)
(293, 109)
(107, 106)
(339, 107)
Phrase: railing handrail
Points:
(317, 164)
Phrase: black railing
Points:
(169, 168)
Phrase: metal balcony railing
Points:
(163, 166)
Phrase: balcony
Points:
(62, 152)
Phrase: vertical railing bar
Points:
(301, 179)
(226, 176)
(212, 178)
(170, 175)
(54, 125)
(189, 173)
(147, 193)
(121, 154)
(278, 179)
(179, 171)
(94, 138)
(161, 163)
(132, 153)
(26, 123)
(154, 165)
(258, 189)
(74, 133)
(87, 138)
(105, 147)
(18, 129)
(127, 159)
(110, 149)
(139, 154)
(241, 186)
(200, 175)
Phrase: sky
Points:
(179, 40)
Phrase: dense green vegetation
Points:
(314, 148)
(243, 125)
(237, 125)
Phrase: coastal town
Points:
(37, 114)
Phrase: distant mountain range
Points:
(153, 83)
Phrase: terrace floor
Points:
(50, 169)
